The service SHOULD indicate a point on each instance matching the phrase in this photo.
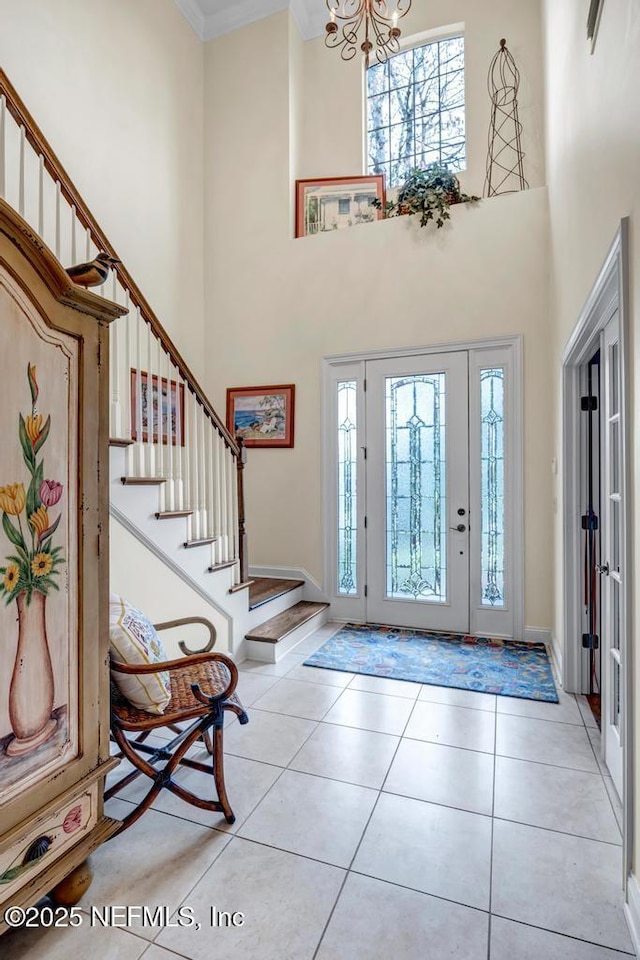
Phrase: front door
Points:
(417, 417)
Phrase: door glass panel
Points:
(615, 613)
(615, 705)
(347, 496)
(614, 399)
(614, 517)
(614, 462)
(416, 508)
(492, 489)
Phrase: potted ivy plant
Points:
(427, 193)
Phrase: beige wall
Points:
(334, 100)
(117, 89)
(276, 306)
(593, 166)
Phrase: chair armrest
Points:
(183, 621)
(192, 660)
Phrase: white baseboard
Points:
(632, 911)
(312, 589)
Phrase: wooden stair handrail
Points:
(40, 144)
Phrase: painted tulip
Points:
(39, 520)
(12, 499)
(33, 385)
(33, 426)
(50, 492)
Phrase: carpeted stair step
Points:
(264, 589)
(279, 627)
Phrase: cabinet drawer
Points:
(45, 839)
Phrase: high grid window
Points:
(415, 110)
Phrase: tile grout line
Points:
(349, 869)
(493, 810)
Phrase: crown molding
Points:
(192, 12)
(310, 16)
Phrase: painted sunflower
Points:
(11, 576)
(41, 564)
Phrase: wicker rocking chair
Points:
(202, 688)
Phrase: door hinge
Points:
(589, 521)
(365, 523)
(590, 641)
(364, 384)
(366, 590)
(588, 403)
(364, 450)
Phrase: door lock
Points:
(603, 568)
(459, 529)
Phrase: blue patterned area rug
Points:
(506, 667)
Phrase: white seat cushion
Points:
(134, 639)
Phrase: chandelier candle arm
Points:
(381, 31)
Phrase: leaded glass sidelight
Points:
(347, 495)
(416, 559)
(492, 487)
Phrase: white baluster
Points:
(140, 466)
(115, 371)
(23, 134)
(170, 434)
(202, 473)
(232, 482)
(161, 450)
(188, 461)
(58, 197)
(224, 497)
(88, 244)
(194, 470)
(210, 478)
(216, 523)
(179, 451)
(41, 196)
(74, 223)
(154, 402)
(3, 145)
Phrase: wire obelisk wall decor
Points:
(505, 157)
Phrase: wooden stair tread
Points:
(143, 481)
(240, 586)
(202, 542)
(120, 442)
(264, 589)
(170, 514)
(279, 627)
(221, 566)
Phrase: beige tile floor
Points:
(375, 819)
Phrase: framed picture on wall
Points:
(262, 416)
(155, 402)
(336, 203)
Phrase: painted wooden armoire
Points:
(54, 633)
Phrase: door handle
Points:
(460, 528)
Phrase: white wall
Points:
(593, 165)
(276, 306)
(142, 578)
(117, 89)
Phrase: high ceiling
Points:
(211, 18)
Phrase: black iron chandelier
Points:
(377, 20)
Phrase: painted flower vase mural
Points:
(29, 525)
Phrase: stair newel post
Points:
(242, 533)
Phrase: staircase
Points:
(176, 473)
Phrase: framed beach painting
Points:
(262, 416)
(334, 203)
(166, 409)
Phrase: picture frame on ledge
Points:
(336, 203)
(262, 416)
(171, 406)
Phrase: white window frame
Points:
(500, 351)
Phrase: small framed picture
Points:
(262, 416)
(336, 203)
(166, 409)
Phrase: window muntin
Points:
(492, 509)
(347, 492)
(416, 110)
